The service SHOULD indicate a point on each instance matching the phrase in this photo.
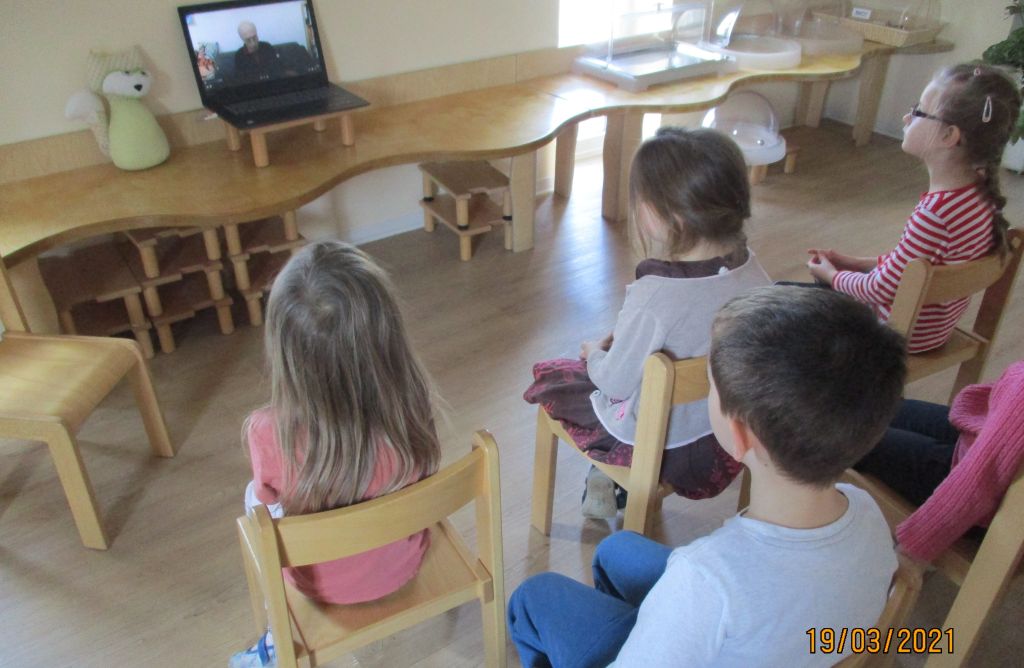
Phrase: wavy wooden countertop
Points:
(208, 184)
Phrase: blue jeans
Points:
(916, 452)
(558, 622)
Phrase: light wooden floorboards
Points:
(171, 591)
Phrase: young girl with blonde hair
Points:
(958, 130)
(689, 197)
(351, 416)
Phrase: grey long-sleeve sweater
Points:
(672, 315)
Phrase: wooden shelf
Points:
(110, 318)
(483, 213)
(466, 177)
(262, 268)
(266, 235)
(91, 274)
(183, 298)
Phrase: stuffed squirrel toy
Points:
(131, 137)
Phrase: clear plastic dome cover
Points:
(749, 119)
(816, 24)
(740, 17)
(748, 30)
(905, 15)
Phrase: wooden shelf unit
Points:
(182, 299)
(468, 208)
(96, 294)
(168, 263)
(258, 250)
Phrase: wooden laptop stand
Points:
(258, 136)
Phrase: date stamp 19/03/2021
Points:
(827, 640)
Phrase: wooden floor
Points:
(171, 591)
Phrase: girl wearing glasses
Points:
(958, 129)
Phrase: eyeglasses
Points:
(917, 113)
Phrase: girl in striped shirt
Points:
(958, 129)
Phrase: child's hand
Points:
(588, 347)
(843, 262)
(822, 268)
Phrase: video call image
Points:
(245, 45)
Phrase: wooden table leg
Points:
(811, 103)
(565, 160)
(259, 149)
(234, 137)
(621, 139)
(524, 194)
(348, 130)
(872, 78)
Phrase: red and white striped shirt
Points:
(946, 227)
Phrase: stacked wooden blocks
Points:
(96, 294)
(467, 208)
(258, 250)
(179, 271)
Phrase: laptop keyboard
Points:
(280, 101)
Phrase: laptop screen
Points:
(256, 46)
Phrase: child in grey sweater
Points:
(689, 197)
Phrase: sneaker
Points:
(599, 496)
(260, 655)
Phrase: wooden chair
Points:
(448, 577)
(665, 384)
(51, 384)
(923, 283)
(983, 571)
(903, 593)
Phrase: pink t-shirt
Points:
(354, 579)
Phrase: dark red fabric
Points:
(561, 387)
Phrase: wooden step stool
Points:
(169, 264)
(467, 208)
(96, 294)
(258, 250)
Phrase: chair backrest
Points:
(923, 283)
(665, 384)
(903, 593)
(270, 544)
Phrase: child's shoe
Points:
(599, 496)
(260, 655)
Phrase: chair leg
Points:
(68, 462)
(495, 642)
(544, 462)
(152, 416)
(639, 509)
(744, 499)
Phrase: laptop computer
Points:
(259, 62)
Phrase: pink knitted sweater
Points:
(990, 419)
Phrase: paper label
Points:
(862, 13)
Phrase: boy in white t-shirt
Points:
(804, 382)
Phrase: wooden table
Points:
(208, 185)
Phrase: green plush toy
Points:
(132, 137)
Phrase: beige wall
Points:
(44, 45)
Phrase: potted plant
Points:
(1010, 53)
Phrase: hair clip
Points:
(986, 112)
